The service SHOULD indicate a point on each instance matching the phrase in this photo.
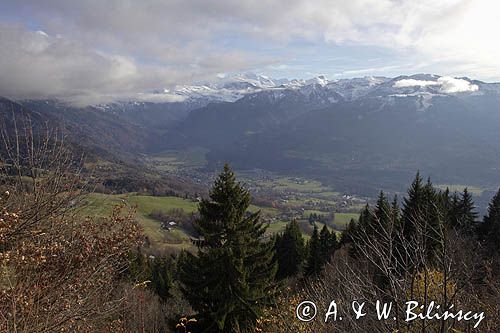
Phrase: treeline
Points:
(433, 211)
(434, 247)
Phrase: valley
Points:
(280, 199)
(310, 150)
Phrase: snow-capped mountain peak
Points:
(321, 91)
(320, 80)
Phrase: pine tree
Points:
(138, 269)
(365, 221)
(413, 206)
(357, 231)
(328, 244)
(422, 212)
(161, 276)
(382, 212)
(230, 280)
(349, 232)
(490, 230)
(433, 219)
(467, 213)
(314, 260)
(290, 251)
(395, 214)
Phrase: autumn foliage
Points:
(58, 269)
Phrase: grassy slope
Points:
(100, 205)
(344, 218)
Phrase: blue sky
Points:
(111, 49)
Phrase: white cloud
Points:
(116, 47)
(158, 98)
(447, 84)
(452, 85)
(38, 65)
(414, 83)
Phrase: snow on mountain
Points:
(320, 80)
(319, 90)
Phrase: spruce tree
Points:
(382, 212)
(433, 218)
(422, 212)
(314, 259)
(290, 251)
(453, 211)
(357, 231)
(467, 213)
(490, 230)
(365, 221)
(230, 279)
(349, 232)
(395, 214)
(413, 206)
(161, 276)
(328, 244)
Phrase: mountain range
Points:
(358, 134)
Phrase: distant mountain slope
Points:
(110, 145)
(19, 121)
(371, 130)
(361, 133)
(95, 129)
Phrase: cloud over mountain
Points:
(103, 50)
(447, 84)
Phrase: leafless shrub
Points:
(391, 267)
(58, 270)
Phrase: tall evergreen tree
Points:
(365, 221)
(382, 212)
(422, 212)
(490, 229)
(357, 231)
(290, 251)
(349, 232)
(453, 210)
(229, 281)
(433, 219)
(413, 206)
(327, 243)
(467, 213)
(161, 276)
(314, 260)
(395, 214)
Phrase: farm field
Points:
(101, 205)
(280, 198)
(342, 219)
(459, 188)
(173, 160)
